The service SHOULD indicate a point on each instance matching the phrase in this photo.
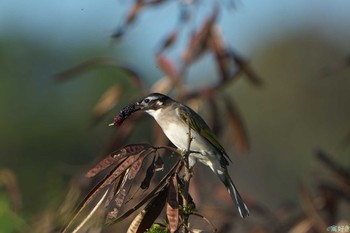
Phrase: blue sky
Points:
(90, 20)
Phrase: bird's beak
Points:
(139, 106)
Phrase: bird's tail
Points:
(237, 199)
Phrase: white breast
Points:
(177, 131)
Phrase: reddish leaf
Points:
(119, 200)
(102, 165)
(239, 134)
(131, 149)
(172, 207)
(135, 168)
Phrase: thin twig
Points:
(186, 185)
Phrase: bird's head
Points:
(153, 102)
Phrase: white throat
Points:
(154, 113)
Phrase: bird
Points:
(177, 121)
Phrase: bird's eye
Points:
(146, 101)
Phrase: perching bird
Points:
(176, 119)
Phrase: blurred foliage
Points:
(46, 138)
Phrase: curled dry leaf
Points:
(172, 207)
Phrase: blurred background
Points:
(48, 135)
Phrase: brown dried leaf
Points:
(151, 194)
(199, 41)
(172, 207)
(80, 69)
(167, 66)
(246, 69)
(214, 122)
(119, 200)
(80, 219)
(146, 218)
(310, 209)
(96, 63)
(341, 172)
(134, 11)
(107, 101)
(128, 150)
(135, 168)
(149, 175)
(159, 164)
(102, 165)
(221, 56)
(239, 134)
(127, 163)
(168, 41)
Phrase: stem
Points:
(185, 193)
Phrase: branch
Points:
(186, 208)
